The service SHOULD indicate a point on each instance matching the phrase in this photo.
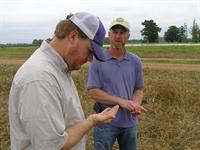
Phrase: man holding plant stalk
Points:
(44, 108)
(117, 81)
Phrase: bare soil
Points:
(166, 66)
(13, 61)
(185, 67)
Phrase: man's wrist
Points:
(90, 121)
(119, 101)
(138, 102)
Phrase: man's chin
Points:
(75, 68)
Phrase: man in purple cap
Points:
(117, 81)
(44, 108)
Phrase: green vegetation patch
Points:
(16, 52)
(192, 52)
(182, 49)
(171, 60)
(189, 52)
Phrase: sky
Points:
(21, 21)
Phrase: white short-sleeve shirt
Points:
(43, 102)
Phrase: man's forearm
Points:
(103, 97)
(76, 132)
(138, 96)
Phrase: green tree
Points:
(172, 34)
(106, 40)
(37, 42)
(182, 34)
(150, 31)
(175, 34)
(195, 32)
(186, 30)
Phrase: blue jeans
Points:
(106, 135)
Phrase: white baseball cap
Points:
(93, 29)
(122, 22)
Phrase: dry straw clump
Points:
(172, 122)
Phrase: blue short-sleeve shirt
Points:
(119, 78)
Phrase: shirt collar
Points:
(109, 56)
(54, 55)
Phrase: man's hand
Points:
(138, 109)
(104, 117)
(127, 104)
(133, 107)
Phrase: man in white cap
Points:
(117, 81)
(44, 108)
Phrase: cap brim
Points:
(98, 51)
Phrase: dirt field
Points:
(185, 67)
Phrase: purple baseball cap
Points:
(94, 29)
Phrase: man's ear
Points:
(73, 35)
(128, 35)
(109, 33)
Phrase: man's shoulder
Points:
(31, 71)
(133, 56)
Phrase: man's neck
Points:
(58, 46)
(117, 53)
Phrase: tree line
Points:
(173, 34)
(151, 30)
